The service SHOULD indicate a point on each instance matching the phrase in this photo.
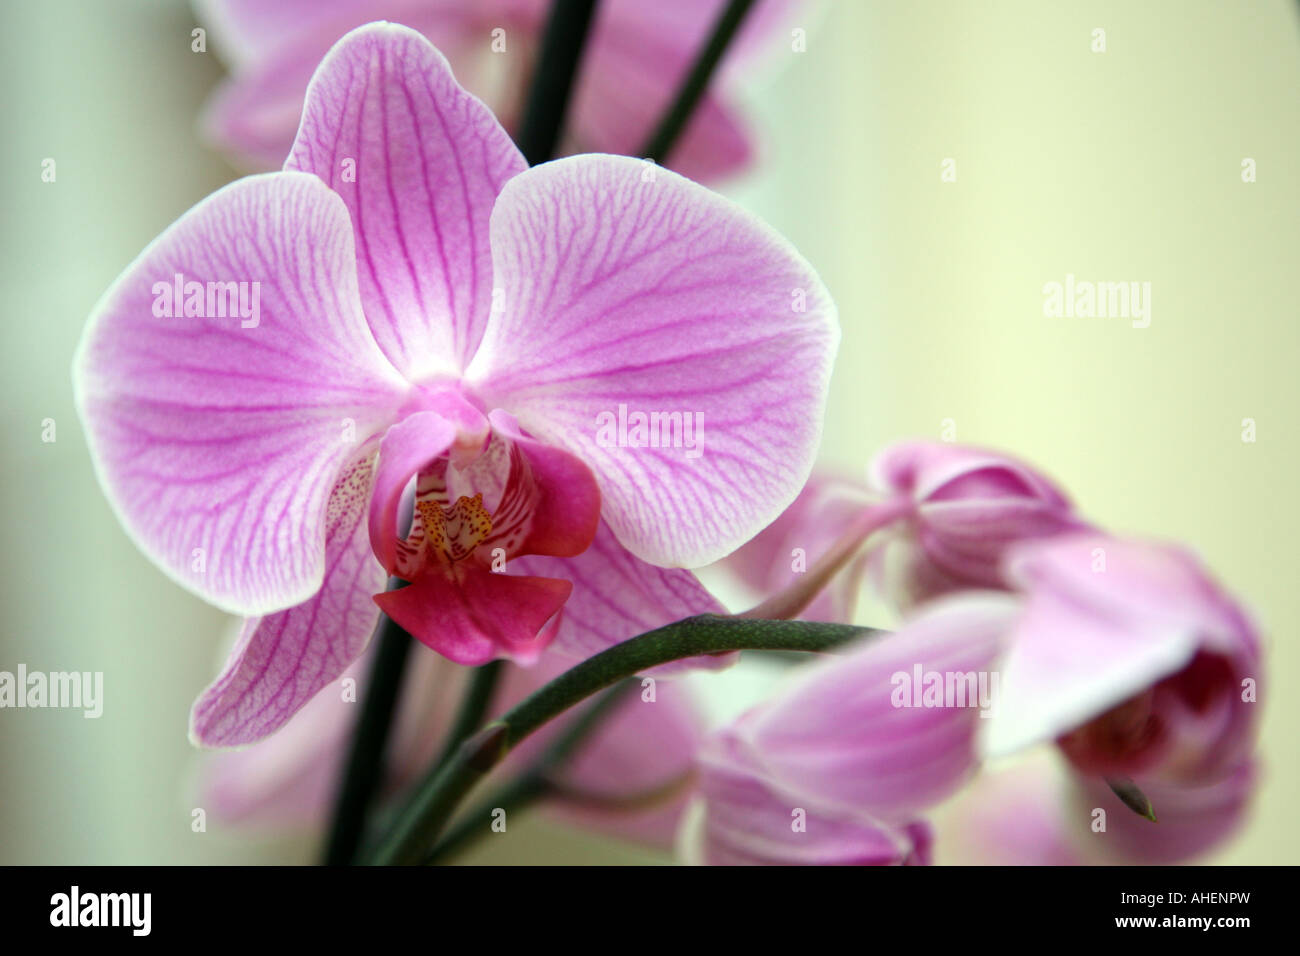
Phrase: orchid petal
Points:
(218, 439)
(617, 596)
(281, 661)
(407, 447)
(627, 285)
(1104, 620)
(291, 778)
(478, 615)
(744, 819)
(419, 163)
(853, 734)
(566, 509)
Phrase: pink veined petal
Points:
(218, 439)
(281, 661)
(427, 163)
(617, 596)
(566, 510)
(291, 778)
(626, 285)
(850, 732)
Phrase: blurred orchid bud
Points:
(969, 505)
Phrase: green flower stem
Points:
(533, 782)
(665, 136)
(422, 821)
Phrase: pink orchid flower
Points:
(629, 779)
(942, 517)
(1040, 814)
(1142, 669)
(1133, 659)
(839, 766)
(405, 304)
(1125, 653)
(636, 56)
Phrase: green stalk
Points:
(420, 823)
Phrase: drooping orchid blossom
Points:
(1124, 653)
(1041, 813)
(636, 56)
(427, 312)
(1143, 670)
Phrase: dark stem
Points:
(435, 799)
(557, 64)
(665, 136)
(534, 782)
(1132, 797)
(365, 762)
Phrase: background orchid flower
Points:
(1039, 813)
(942, 516)
(1133, 659)
(842, 743)
(642, 749)
(433, 313)
(635, 58)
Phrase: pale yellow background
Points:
(1123, 165)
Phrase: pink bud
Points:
(969, 506)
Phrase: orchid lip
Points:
(453, 533)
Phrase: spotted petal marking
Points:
(455, 532)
